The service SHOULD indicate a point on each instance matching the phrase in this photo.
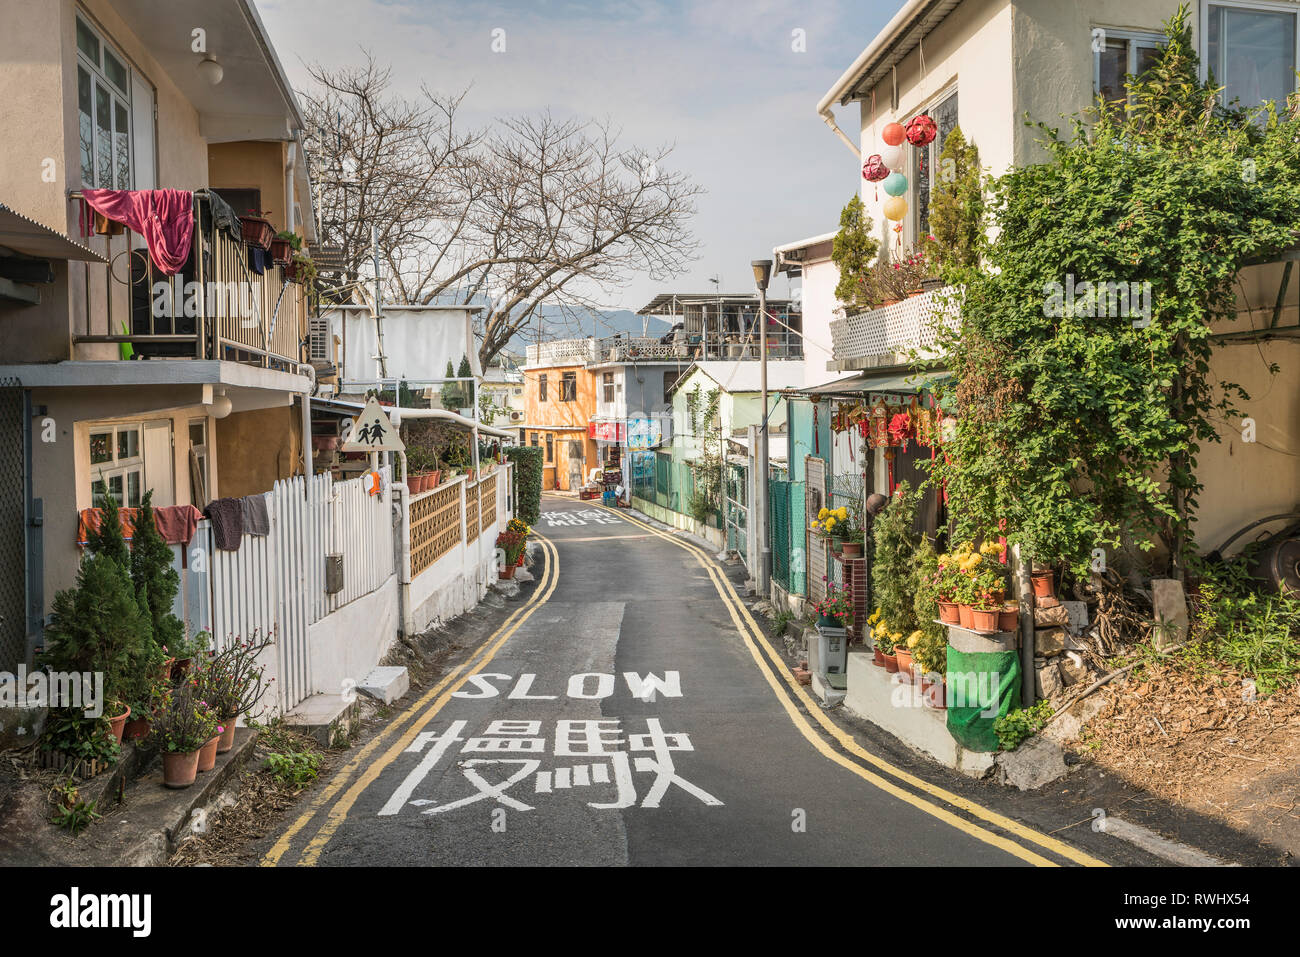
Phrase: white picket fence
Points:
(275, 584)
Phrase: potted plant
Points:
(1009, 616)
(188, 650)
(256, 229)
(232, 684)
(282, 247)
(301, 268)
(208, 753)
(183, 726)
(1044, 580)
(512, 543)
(903, 652)
(835, 610)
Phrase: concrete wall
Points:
(257, 448)
(817, 285)
(259, 166)
(348, 643)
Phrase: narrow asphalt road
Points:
(627, 714)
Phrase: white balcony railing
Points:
(896, 330)
(562, 352)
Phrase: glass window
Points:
(550, 448)
(1123, 54)
(924, 160)
(116, 464)
(607, 383)
(670, 378)
(104, 108)
(1251, 53)
(541, 387)
(569, 387)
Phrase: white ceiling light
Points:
(220, 406)
(211, 70)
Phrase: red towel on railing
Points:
(164, 217)
(175, 523)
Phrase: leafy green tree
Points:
(154, 576)
(1080, 417)
(466, 388)
(957, 205)
(893, 581)
(108, 539)
(450, 392)
(852, 251)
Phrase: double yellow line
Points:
(753, 636)
(409, 726)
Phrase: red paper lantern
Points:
(874, 169)
(893, 133)
(921, 130)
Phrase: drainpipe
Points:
(402, 500)
(829, 119)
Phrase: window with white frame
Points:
(117, 463)
(104, 112)
(1251, 49)
(924, 161)
(607, 384)
(1117, 54)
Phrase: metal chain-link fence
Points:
(13, 544)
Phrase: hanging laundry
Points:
(164, 217)
(176, 523)
(227, 516)
(89, 521)
(257, 521)
(258, 259)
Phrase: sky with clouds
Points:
(717, 79)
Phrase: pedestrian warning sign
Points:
(374, 432)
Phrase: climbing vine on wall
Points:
(528, 481)
(1082, 361)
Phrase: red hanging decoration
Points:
(874, 169)
(921, 130)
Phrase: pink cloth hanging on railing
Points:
(164, 217)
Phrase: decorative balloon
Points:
(895, 184)
(895, 208)
(892, 156)
(893, 133)
(874, 169)
(921, 130)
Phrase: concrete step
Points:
(323, 717)
(385, 684)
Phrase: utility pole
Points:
(762, 273)
(377, 309)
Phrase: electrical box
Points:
(333, 574)
(833, 650)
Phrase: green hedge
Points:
(527, 460)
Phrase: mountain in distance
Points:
(580, 323)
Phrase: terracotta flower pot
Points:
(208, 754)
(1044, 584)
(118, 724)
(181, 668)
(435, 477)
(1008, 620)
(136, 729)
(964, 617)
(852, 550)
(507, 572)
(891, 664)
(985, 619)
(227, 740)
(949, 612)
(903, 655)
(877, 658)
(413, 484)
(180, 768)
(934, 694)
(165, 671)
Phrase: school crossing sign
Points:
(374, 432)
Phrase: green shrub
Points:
(1017, 726)
(527, 460)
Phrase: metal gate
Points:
(814, 545)
(736, 511)
(13, 540)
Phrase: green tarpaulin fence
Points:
(982, 687)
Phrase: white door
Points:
(159, 466)
(142, 133)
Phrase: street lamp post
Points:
(762, 273)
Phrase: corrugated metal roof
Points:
(25, 235)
